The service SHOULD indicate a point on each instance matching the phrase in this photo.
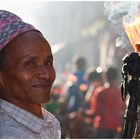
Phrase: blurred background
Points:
(74, 29)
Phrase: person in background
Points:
(80, 65)
(73, 92)
(73, 95)
(26, 78)
(75, 84)
(109, 108)
(95, 80)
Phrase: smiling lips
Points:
(42, 86)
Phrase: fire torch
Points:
(131, 80)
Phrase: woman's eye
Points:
(50, 63)
(30, 63)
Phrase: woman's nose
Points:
(44, 73)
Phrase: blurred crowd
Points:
(88, 102)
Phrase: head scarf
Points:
(11, 26)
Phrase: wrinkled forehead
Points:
(11, 26)
(28, 41)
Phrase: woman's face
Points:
(28, 74)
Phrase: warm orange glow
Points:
(119, 129)
(133, 32)
(97, 121)
(72, 78)
(83, 87)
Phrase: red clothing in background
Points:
(108, 109)
(94, 96)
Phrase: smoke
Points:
(118, 13)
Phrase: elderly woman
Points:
(26, 78)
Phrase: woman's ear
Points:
(1, 83)
(1, 79)
(2, 93)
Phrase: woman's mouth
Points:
(42, 86)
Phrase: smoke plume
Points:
(119, 12)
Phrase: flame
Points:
(133, 32)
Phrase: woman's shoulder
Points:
(9, 128)
(48, 116)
